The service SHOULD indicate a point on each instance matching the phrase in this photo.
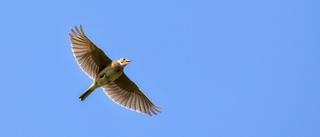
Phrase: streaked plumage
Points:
(108, 74)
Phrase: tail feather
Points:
(87, 93)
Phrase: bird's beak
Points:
(128, 60)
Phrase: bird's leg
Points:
(102, 79)
(104, 76)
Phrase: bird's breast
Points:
(108, 74)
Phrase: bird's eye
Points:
(123, 59)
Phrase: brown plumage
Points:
(108, 74)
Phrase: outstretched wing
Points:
(89, 57)
(126, 93)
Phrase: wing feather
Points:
(90, 58)
(127, 94)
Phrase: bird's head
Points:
(123, 61)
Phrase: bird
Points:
(108, 74)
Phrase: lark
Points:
(108, 74)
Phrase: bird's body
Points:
(108, 74)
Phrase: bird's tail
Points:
(87, 93)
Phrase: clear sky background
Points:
(217, 68)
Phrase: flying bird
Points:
(108, 74)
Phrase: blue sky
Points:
(221, 68)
